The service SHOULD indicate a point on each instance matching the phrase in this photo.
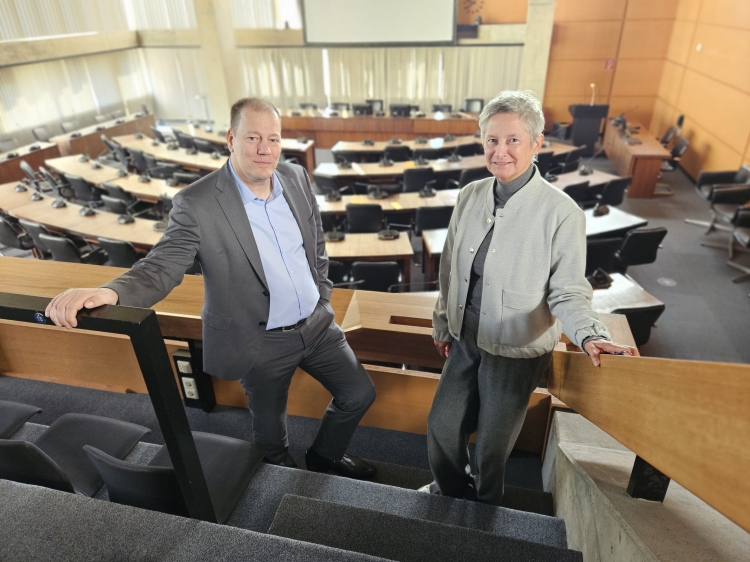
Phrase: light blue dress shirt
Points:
(294, 292)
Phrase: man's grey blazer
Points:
(208, 220)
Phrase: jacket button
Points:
(261, 323)
(493, 250)
(461, 306)
(466, 278)
(471, 250)
(265, 293)
(489, 220)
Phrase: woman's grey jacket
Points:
(534, 270)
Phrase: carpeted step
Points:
(399, 538)
(258, 505)
(39, 524)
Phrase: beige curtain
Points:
(176, 77)
(413, 76)
(285, 77)
(266, 14)
(20, 19)
(160, 14)
(357, 74)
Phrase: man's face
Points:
(255, 145)
(508, 147)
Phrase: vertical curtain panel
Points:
(285, 77)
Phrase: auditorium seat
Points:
(364, 218)
(228, 465)
(375, 275)
(432, 218)
(12, 239)
(13, 415)
(397, 153)
(639, 247)
(119, 252)
(600, 254)
(416, 179)
(65, 250)
(707, 180)
(57, 460)
(469, 175)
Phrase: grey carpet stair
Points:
(259, 503)
(399, 538)
(39, 525)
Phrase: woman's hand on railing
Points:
(596, 347)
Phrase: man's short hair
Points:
(255, 104)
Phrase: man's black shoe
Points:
(287, 461)
(349, 466)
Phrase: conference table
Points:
(399, 202)
(88, 139)
(92, 171)
(368, 247)
(636, 153)
(612, 225)
(327, 128)
(198, 161)
(33, 154)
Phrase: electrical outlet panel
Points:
(185, 367)
(191, 390)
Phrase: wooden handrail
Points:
(689, 419)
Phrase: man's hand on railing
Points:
(596, 347)
(62, 309)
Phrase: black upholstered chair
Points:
(12, 238)
(185, 178)
(741, 234)
(707, 180)
(139, 161)
(364, 218)
(13, 415)
(578, 192)
(228, 465)
(470, 149)
(613, 192)
(185, 141)
(469, 175)
(679, 148)
(161, 137)
(205, 146)
(397, 153)
(84, 191)
(377, 105)
(374, 275)
(65, 250)
(343, 156)
(640, 321)
(160, 169)
(35, 229)
(119, 252)
(42, 134)
(639, 247)
(668, 135)
(429, 153)
(57, 459)
(544, 161)
(725, 201)
(324, 184)
(308, 105)
(416, 179)
(432, 218)
(336, 272)
(442, 107)
(600, 253)
(339, 106)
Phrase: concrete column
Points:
(540, 21)
(219, 56)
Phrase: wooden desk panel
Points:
(11, 199)
(400, 202)
(368, 247)
(199, 161)
(10, 168)
(151, 191)
(642, 161)
(90, 142)
(72, 165)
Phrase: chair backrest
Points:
(362, 109)
(473, 105)
(600, 253)
(115, 205)
(335, 271)
(35, 229)
(743, 175)
(377, 276)
(121, 253)
(416, 178)
(148, 487)
(364, 218)
(118, 192)
(429, 153)
(339, 105)
(668, 135)
(399, 109)
(69, 126)
(111, 146)
(185, 177)
(398, 153)
(28, 171)
(614, 191)
(640, 247)
(83, 190)
(102, 118)
(63, 249)
(158, 135)
(308, 105)
(442, 107)
(578, 192)
(575, 154)
(544, 161)
(8, 144)
(565, 167)
(24, 462)
(42, 134)
(469, 175)
(345, 156)
(205, 146)
(377, 105)
(139, 160)
(324, 183)
(679, 148)
(471, 149)
(8, 235)
(431, 218)
(185, 141)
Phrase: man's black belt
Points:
(290, 328)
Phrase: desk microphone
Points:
(585, 170)
(455, 156)
(344, 164)
(368, 142)
(420, 140)
(335, 194)
(20, 188)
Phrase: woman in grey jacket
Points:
(513, 265)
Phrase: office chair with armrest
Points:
(564, 168)
(60, 187)
(364, 218)
(575, 155)
(84, 192)
(139, 161)
(133, 206)
(561, 131)
(69, 126)
(429, 153)
(668, 135)
(34, 230)
(399, 153)
(65, 250)
(469, 175)
(324, 185)
(641, 320)
(339, 106)
(471, 149)
(160, 169)
(119, 252)
(442, 107)
(741, 234)
(376, 190)
(8, 144)
(12, 238)
(613, 192)
(161, 137)
(544, 161)
(639, 247)
(725, 201)
(707, 180)
(578, 192)
(600, 253)
(362, 109)
(432, 218)
(399, 109)
(740, 220)
(377, 105)
(185, 178)
(473, 105)
(111, 153)
(308, 105)
(205, 146)
(344, 156)
(417, 179)
(42, 134)
(375, 276)
(679, 148)
(185, 141)
(678, 124)
(36, 180)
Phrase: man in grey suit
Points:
(255, 228)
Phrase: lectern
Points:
(587, 122)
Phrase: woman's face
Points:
(508, 147)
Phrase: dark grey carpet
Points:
(401, 538)
(41, 525)
(258, 505)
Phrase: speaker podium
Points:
(587, 122)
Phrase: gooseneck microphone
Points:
(585, 170)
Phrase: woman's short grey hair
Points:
(522, 103)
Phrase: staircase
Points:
(305, 515)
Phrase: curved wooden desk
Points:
(10, 168)
(88, 139)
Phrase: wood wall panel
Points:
(585, 40)
(746, 160)
(671, 80)
(687, 10)
(729, 13)
(724, 55)
(706, 151)
(587, 10)
(650, 10)
(637, 78)
(572, 78)
(719, 108)
(643, 113)
(648, 39)
(681, 42)
(664, 116)
(493, 12)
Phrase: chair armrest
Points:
(346, 284)
(738, 194)
(726, 176)
(742, 219)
